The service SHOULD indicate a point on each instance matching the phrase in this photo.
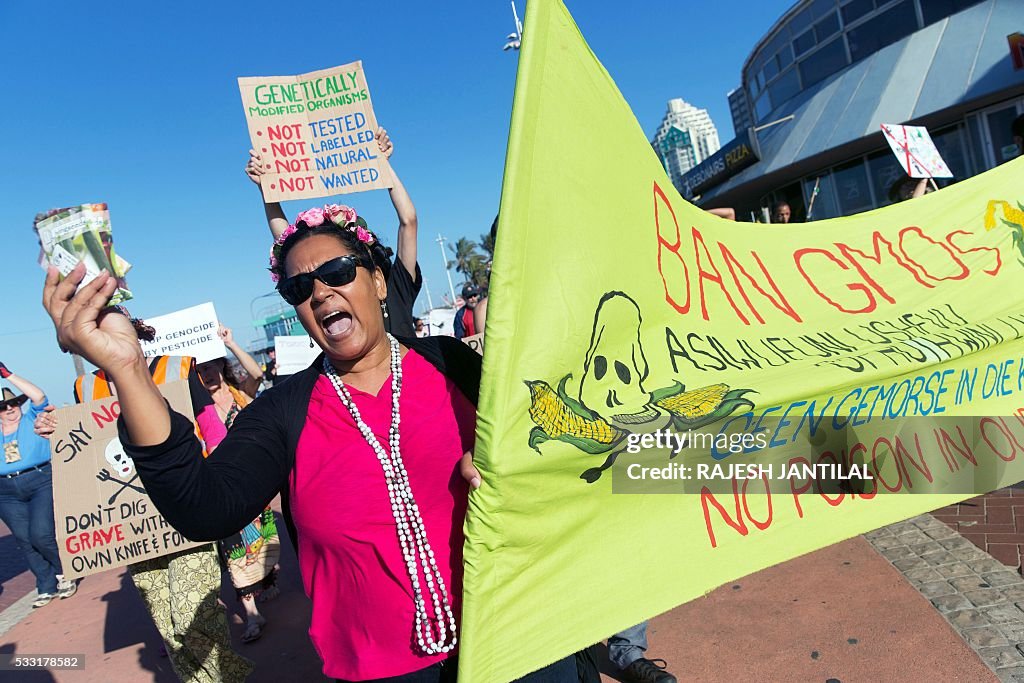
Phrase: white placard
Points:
(188, 332)
(441, 322)
(915, 151)
(294, 354)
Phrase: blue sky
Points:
(138, 107)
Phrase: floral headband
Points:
(344, 217)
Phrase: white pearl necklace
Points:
(412, 536)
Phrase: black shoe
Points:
(647, 671)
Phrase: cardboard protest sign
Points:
(476, 342)
(315, 133)
(916, 152)
(103, 517)
(82, 233)
(189, 332)
(294, 354)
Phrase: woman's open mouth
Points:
(337, 324)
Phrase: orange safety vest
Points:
(95, 386)
(164, 369)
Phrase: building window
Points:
(803, 42)
(823, 63)
(885, 171)
(852, 11)
(824, 203)
(934, 10)
(785, 86)
(762, 107)
(827, 27)
(822, 7)
(771, 69)
(950, 143)
(801, 21)
(852, 189)
(885, 29)
(785, 56)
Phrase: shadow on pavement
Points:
(127, 623)
(12, 560)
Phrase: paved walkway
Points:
(108, 623)
(993, 522)
(15, 578)
(842, 614)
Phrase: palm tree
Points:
(463, 251)
(487, 244)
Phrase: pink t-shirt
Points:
(351, 564)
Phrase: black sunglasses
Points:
(334, 273)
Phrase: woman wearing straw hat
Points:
(26, 488)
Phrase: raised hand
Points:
(84, 325)
(4, 372)
(46, 422)
(254, 168)
(224, 333)
(384, 143)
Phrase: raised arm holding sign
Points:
(403, 283)
(315, 133)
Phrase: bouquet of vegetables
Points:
(82, 233)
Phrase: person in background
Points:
(781, 212)
(908, 188)
(403, 276)
(727, 213)
(251, 554)
(26, 488)
(626, 650)
(270, 370)
(1017, 130)
(421, 329)
(465, 321)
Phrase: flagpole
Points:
(814, 195)
(430, 302)
(444, 257)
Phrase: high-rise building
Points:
(739, 106)
(686, 137)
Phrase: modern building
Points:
(686, 137)
(276, 319)
(825, 77)
(739, 107)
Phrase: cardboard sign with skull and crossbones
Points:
(123, 467)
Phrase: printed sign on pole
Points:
(314, 133)
(916, 152)
(294, 354)
(104, 518)
(188, 332)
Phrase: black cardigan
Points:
(207, 500)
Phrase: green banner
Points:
(624, 320)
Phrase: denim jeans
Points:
(627, 646)
(26, 507)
